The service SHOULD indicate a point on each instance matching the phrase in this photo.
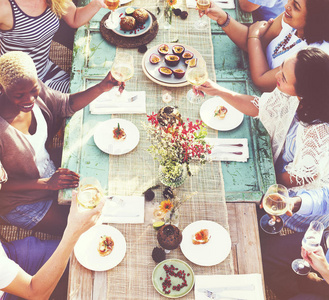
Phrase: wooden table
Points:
(244, 182)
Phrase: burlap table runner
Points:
(133, 173)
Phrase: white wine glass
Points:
(275, 203)
(310, 242)
(112, 21)
(89, 193)
(202, 5)
(196, 74)
(122, 68)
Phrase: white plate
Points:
(86, 252)
(232, 119)
(152, 72)
(104, 140)
(210, 254)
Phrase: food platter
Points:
(214, 251)
(104, 140)
(233, 117)
(120, 12)
(151, 70)
(159, 275)
(86, 252)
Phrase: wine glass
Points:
(202, 5)
(274, 203)
(122, 68)
(112, 22)
(89, 193)
(196, 74)
(311, 240)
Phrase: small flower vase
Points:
(167, 16)
(172, 217)
(173, 179)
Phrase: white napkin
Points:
(226, 4)
(244, 286)
(123, 209)
(223, 149)
(111, 103)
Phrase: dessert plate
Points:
(120, 12)
(159, 275)
(151, 70)
(86, 252)
(104, 140)
(232, 119)
(211, 253)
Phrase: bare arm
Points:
(78, 16)
(42, 284)
(5, 11)
(241, 102)
(82, 99)
(247, 6)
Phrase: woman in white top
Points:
(31, 268)
(304, 22)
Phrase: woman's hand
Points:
(317, 260)
(80, 221)
(258, 29)
(210, 87)
(63, 179)
(215, 13)
(109, 82)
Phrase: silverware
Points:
(221, 1)
(213, 293)
(228, 145)
(133, 98)
(227, 152)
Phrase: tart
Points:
(201, 237)
(105, 245)
(119, 133)
(220, 112)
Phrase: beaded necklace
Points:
(283, 44)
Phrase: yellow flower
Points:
(172, 2)
(166, 205)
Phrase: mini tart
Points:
(105, 245)
(220, 112)
(119, 133)
(201, 237)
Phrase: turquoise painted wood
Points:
(92, 58)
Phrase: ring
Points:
(289, 7)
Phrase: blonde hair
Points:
(14, 66)
(58, 7)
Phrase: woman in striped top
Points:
(29, 26)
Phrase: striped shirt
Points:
(315, 203)
(33, 35)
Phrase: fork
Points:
(213, 295)
(133, 98)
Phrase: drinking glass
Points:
(122, 68)
(112, 21)
(311, 240)
(90, 193)
(202, 5)
(196, 74)
(275, 203)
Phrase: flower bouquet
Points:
(175, 143)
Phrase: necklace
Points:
(282, 44)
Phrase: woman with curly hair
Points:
(29, 26)
(303, 23)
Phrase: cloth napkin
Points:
(224, 151)
(226, 4)
(123, 210)
(244, 286)
(110, 103)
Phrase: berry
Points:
(177, 11)
(142, 49)
(184, 15)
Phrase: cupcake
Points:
(169, 237)
(128, 23)
(141, 15)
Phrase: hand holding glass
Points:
(275, 204)
(122, 68)
(310, 242)
(90, 193)
(202, 5)
(196, 74)
(112, 21)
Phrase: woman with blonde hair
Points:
(28, 114)
(29, 26)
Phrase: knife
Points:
(226, 152)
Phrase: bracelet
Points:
(226, 22)
(253, 37)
